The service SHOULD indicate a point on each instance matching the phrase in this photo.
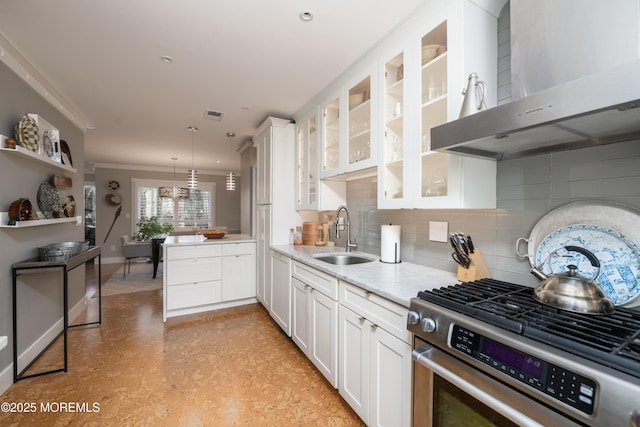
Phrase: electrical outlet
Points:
(438, 231)
(113, 248)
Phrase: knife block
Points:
(477, 269)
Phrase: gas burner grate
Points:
(612, 340)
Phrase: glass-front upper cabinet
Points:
(331, 137)
(391, 173)
(307, 164)
(347, 138)
(434, 168)
(360, 114)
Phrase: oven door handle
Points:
(444, 365)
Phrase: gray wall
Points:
(40, 296)
(527, 189)
(227, 204)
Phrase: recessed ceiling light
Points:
(219, 161)
(245, 108)
(231, 134)
(306, 16)
(166, 59)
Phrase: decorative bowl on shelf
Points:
(213, 234)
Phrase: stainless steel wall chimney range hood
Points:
(552, 43)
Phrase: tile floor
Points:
(230, 367)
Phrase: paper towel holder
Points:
(395, 254)
(396, 248)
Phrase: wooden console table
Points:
(34, 265)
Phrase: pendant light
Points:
(231, 181)
(174, 192)
(192, 177)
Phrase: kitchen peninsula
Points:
(203, 274)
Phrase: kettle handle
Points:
(590, 256)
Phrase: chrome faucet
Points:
(350, 245)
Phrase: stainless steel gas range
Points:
(487, 353)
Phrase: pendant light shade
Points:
(231, 181)
(174, 192)
(192, 177)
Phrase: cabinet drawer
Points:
(323, 282)
(238, 248)
(193, 270)
(186, 252)
(194, 294)
(386, 314)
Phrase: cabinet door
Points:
(361, 140)
(238, 277)
(307, 163)
(263, 190)
(300, 315)
(390, 373)
(263, 285)
(353, 358)
(330, 137)
(323, 312)
(281, 291)
(391, 174)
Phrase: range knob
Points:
(428, 325)
(413, 318)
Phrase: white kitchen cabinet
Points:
(311, 192)
(276, 212)
(434, 59)
(281, 291)
(315, 318)
(263, 264)
(436, 56)
(263, 142)
(300, 322)
(203, 277)
(192, 278)
(349, 138)
(307, 162)
(238, 271)
(374, 357)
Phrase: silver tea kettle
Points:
(474, 96)
(572, 291)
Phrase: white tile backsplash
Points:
(527, 189)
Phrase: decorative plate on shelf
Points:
(113, 185)
(65, 153)
(27, 134)
(49, 199)
(619, 258)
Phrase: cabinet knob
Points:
(373, 326)
(361, 319)
(367, 294)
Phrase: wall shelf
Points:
(23, 152)
(4, 219)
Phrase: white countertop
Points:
(198, 239)
(396, 282)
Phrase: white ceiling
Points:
(246, 58)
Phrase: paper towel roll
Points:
(390, 244)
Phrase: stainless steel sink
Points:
(342, 259)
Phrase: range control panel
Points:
(559, 383)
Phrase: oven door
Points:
(448, 392)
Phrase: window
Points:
(196, 211)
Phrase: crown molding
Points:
(17, 63)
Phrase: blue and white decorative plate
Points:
(619, 258)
